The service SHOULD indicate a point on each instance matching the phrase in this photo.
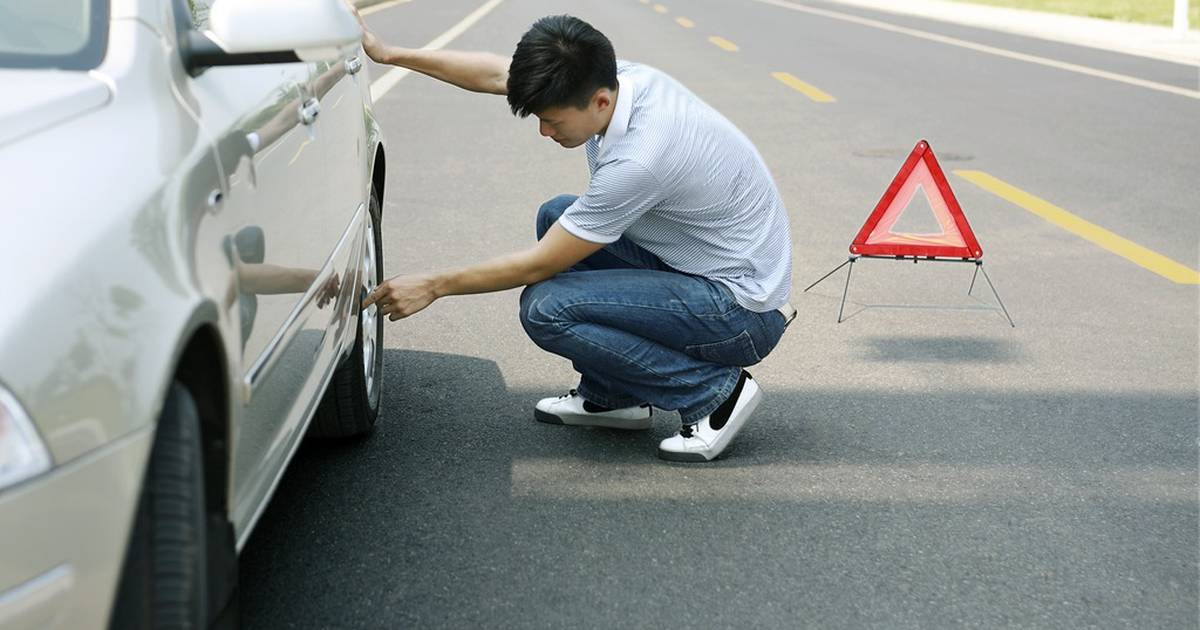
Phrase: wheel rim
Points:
(371, 339)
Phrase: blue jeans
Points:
(639, 331)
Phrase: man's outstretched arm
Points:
(474, 71)
(559, 249)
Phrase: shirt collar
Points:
(619, 123)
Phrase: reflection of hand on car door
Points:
(258, 278)
(266, 279)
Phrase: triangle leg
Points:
(850, 260)
(846, 290)
(998, 300)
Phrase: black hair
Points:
(560, 61)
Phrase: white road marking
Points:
(991, 50)
(383, 84)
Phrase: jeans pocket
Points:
(738, 350)
(772, 324)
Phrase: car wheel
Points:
(164, 582)
(351, 403)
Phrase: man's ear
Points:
(602, 99)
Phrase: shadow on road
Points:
(835, 509)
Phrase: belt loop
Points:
(789, 313)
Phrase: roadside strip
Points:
(383, 84)
(1150, 260)
(991, 50)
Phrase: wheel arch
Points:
(378, 174)
(202, 369)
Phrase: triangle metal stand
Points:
(978, 268)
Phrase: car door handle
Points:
(309, 111)
(353, 65)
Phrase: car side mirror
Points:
(243, 32)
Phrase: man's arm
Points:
(557, 251)
(474, 71)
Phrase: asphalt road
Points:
(920, 465)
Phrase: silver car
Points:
(190, 219)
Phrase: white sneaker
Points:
(569, 409)
(705, 440)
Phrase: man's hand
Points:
(474, 71)
(370, 43)
(402, 296)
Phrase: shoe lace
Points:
(570, 394)
(685, 431)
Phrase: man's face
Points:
(570, 126)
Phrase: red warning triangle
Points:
(920, 175)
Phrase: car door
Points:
(281, 231)
(341, 131)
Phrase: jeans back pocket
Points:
(737, 350)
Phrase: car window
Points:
(69, 34)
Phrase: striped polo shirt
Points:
(675, 177)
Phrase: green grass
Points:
(1159, 12)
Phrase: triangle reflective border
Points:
(920, 175)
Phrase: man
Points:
(669, 274)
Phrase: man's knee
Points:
(543, 311)
(534, 319)
(549, 212)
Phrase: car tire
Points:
(351, 402)
(164, 581)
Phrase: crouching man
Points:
(672, 271)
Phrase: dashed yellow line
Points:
(658, 8)
(684, 22)
(645, 1)
(307, 141)
(806, 89)
(723, 43)
(1122, 247)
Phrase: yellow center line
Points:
(658, 8)
(684, 22)
(804, 88)
(381, 6)
(1122, 247)
(307, 141)
(645, 1)
(721, 42)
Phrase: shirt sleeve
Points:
(619, 193)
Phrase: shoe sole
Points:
(672, 456)
(548, 418)
(607, 423)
